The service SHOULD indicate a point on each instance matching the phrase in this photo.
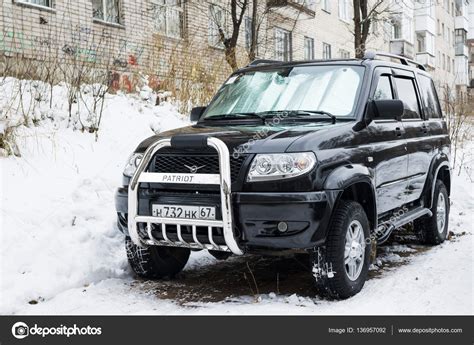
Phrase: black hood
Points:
(251, 138)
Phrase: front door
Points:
(390, 160)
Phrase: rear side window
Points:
(430, 99)
(384, 89)
(407, 94)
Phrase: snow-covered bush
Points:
(30, 103)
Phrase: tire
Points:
(156, 262)
(334, 278)
(434, 230)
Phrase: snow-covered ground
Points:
(60, 251)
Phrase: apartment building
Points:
(470, 41)
(435, 34)
(158, 38)
(164, 37)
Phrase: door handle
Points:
(398, 132)
(424, 129)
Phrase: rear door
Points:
(390, 159)
(417, 132)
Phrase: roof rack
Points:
(371, 55)
(262, 62)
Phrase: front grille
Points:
(171, 161)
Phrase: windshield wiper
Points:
(317, 112)
(235, 116)
(297, 113)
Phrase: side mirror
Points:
(387, 109)
(196, 113)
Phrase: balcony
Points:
(295, 7)
(425, 23)
(461, 49)
(461, 22)
(426, 59)
(402, 47)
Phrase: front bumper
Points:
(255, 215)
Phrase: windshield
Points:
(331, 89)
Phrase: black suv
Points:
(324, 157)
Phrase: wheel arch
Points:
(355, 182)
(439, 170)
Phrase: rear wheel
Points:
(156, 262)
(434, 229)
(340, 267)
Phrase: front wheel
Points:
(156, 262)
(340, 267)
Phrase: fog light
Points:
(282, 227)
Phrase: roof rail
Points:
(262, 62)
(371, 55)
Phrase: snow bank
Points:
(57, 211)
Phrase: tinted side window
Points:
(384, 89)
(428, 92)
(407, 93)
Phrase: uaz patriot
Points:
(327, 157)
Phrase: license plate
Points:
(183, 212)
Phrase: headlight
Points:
(266, 167)
(132, 164)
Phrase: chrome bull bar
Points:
(223, 179)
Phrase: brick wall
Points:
(67, 35)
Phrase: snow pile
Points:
(57, 210)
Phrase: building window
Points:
(344, 54)
(326, 51)
(431, 9)
(460, 36)
(396, 30)
(421, 42)
(107, 10)
(45, 3)
(217, 19)
(308, 48)
(306, 3)
(168, 17)
(248, 32)
(375, 27)
(283, 47)
(458, 10)
(326, 5)
(344, 10)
